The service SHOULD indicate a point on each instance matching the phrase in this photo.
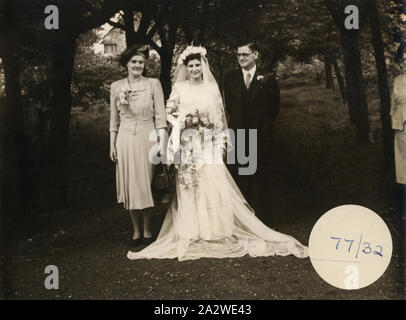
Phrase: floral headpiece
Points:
(191, 50)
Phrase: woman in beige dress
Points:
(137, 116)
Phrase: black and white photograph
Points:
(204, 150)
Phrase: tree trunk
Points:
(165, 76)
(340, 79)
(12, 133)
(357, 103)
(202, 36)
(188, 34)
(55, 170)
(136, 36)
(220, 67)
(14, 193)
(384, 94)
(399, 35)
(327, 71)
(166, 54)
(129, 27)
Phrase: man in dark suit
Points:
(252, 102)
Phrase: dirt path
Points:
(316, 167)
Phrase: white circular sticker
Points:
(350, 247)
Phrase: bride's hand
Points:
(172, 111)
(175, 113)
(113, 154)
(171, 119)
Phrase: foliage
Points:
(93, 73)
(289, 67)
(283, 29)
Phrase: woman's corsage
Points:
(123, 104)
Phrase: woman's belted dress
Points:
(137, 110)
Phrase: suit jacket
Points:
(255, 108)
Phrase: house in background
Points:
(114, 42)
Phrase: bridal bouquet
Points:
(191, 161)
(191, 158)
(197, 121)
(197, 131)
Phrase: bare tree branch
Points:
(115, 24)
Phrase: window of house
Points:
(110, 48)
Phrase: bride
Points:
(209, 217)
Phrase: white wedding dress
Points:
(211, 219)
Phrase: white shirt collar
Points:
(250, 71)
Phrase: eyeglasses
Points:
(244, 55)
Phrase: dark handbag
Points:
(161, 181)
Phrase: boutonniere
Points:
(264, 79)
(261, 80)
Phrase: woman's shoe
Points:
(147, 241)
(133, 243)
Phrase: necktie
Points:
(248, 80)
